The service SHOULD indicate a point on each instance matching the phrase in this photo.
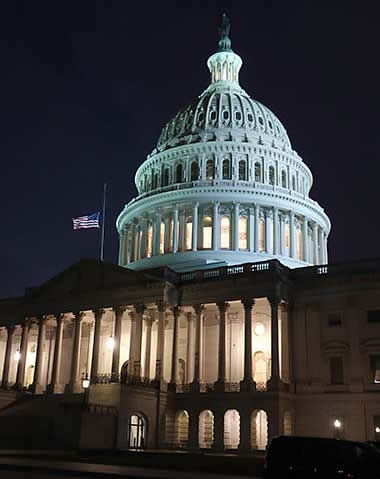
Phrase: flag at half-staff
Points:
(88, 221)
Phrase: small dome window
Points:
(261, 121)
(210, 169)
(250, 117)
(179, 171)
(200, 116)
(283, 178)
(194, 174)
(226, 115)
(270, 124)
(271, 175)
(213, 115)
(257, 172)
(238, 115)
(226, 169)
(242, 170)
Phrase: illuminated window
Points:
(283, 178)
(194, 171)
(298, 244)
(242, 170)
(261, 234)
(188, 232)
(162, 237)
(171, 236)
(226, 169)
(165, 179)
(374, 360)
(287, 236)
(149, 241)
(257, 172)
(207, 232)
(271, 175)
(139, 243)
(178, 175)
(225, 232)
(243, 232)
(210, 169)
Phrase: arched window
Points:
(257, 172)
(136, 432)
(194, 171)
(206, 429)
(260, 370)
(261, 234)
(231, 429)
(178, 174)
(207, 232)
(283, 178)
(226, 169)
(293, 182)
(271, 175)
(259, 430)
(162, 237)
(154, 181)
(165, 179)
(243, 232)
(182, 428)
(149, 240)
(288, 426)
(188, 232)
(225, 232)
(210, 169)
(242, 170)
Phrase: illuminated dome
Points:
(223, 186)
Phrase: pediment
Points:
(86, 276)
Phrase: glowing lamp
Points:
(17, 356)
(85, 382)
(259, 329)
(337, 424)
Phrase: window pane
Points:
(257, 172)
(210, 169)
(188, 233)
(225, 232)
(242, 171)
(149, 241)
(299, 244)
(336, 370)
(287, 236)
(162, 238)
(243, 233)
(194, 171)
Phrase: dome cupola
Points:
(223, 186)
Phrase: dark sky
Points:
(86, 87)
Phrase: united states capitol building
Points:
(223, 324)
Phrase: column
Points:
(55, 386)
(247, 384)
(98, 314)
(37, 385)
(257, 221)
(251, 230)
(132, 345)
(215, 226)
(292, 233)
(20, 377)
(222, 307)
(305, 237)
(174, 369)
(276, 243)
(157, 234)
(268, 232)
(8, 353)
(189, 339)
(195, 226)
(148, 345)
(245, 431)
(175, 229)
(140, 308)
(197, 353)
(122, 246)
(160, 342)
(75, 385)
(325, 250)
(115, 369)
(274, 382)
(236, 226)
(315, 243)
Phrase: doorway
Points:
(136, 432)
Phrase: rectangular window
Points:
(373, 316)
(336, 370)
(261, 235)
(189, 234)
(374, 360)
(243, 233)
(334, 320)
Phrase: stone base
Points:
(172, 387)
(55, 388)
(195, 387)
(275, 384)
(74, 388)
(247, 385)
(219, 386)
(37, 388)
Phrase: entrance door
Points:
(136, 432)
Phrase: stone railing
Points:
(232, 387)
(261, 386)
(183, 388)
(207, 387)
(141, 381)
(102, 379)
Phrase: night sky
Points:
(86, 87)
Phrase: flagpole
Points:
(103, 222)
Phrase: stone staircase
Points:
(7, 398)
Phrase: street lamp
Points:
(85, 382)
(110, 343)
(17, 355)
(338, 427)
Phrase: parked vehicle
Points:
(312, 457)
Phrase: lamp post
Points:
(338, 428)
(86, 388)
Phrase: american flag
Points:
(89, 221)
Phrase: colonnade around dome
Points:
(223, 227)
